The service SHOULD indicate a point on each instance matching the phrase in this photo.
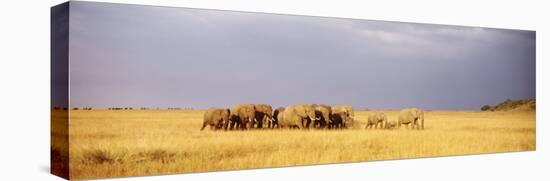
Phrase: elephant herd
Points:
(302, 116)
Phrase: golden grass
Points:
(107, 143)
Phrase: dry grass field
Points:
(105, 143)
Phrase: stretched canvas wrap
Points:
(147, 90)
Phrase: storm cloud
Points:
(147, 56)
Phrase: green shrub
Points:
(486, 108)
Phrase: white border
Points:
(24, 100)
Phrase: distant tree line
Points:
(59, 108)
(510, 104)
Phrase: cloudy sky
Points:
(146, 56)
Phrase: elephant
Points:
(343, 108)
(280, 118)
(338, 120)
(349, 111)
(375, 119)
(323, 115)
(412, 116)
(216, 118)
(241, 115)
(275, 120)
(263, 114)
(298, 115)
(390, 124)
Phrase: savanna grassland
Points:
(107, 143)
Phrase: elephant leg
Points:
(264, 122)
(250, 124)
(227, 125)
(314, 123)
(203, 126)
(260, 123)
(317, 124)
(243, 126)
(238, 125)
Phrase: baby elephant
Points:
(215, 117)
(338, 120)
(391, 124)
(375, 119)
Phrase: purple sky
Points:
(147, 56)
